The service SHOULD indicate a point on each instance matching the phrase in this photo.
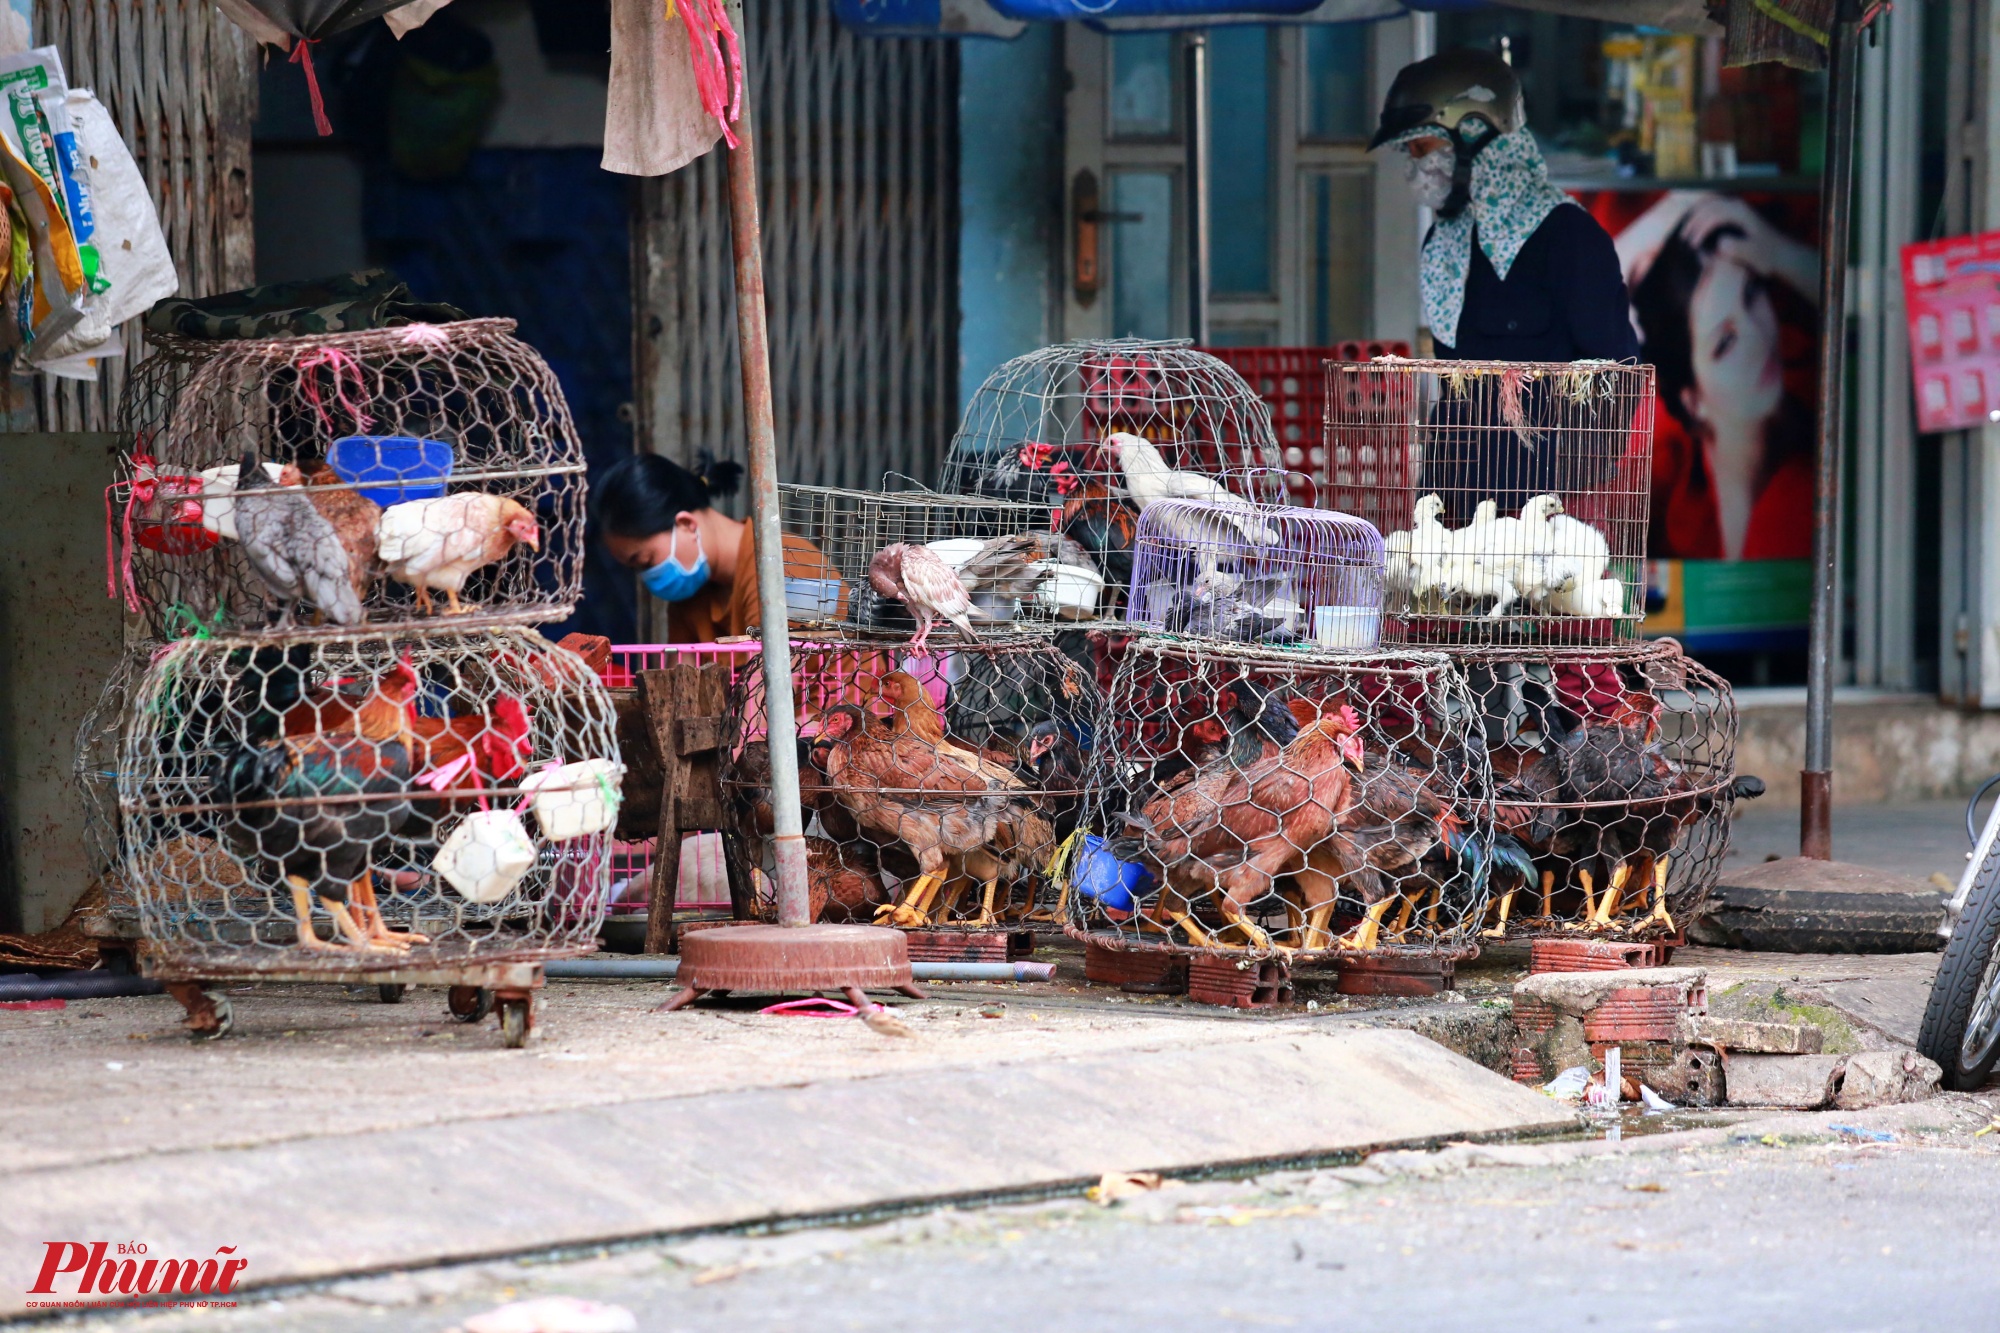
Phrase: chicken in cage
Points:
(1256, 801)
(1045, 428)
(938, 786)
(346, 480)
(911, 560)
(352, 805)
(1614, 782)
(1514, 496)
(1228, 568)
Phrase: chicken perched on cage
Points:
(316, 808)
(294, 549)
(437, 544)
(1148, 480)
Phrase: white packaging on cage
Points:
(486, 855)
(574, 800)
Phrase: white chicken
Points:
(1149, 480)
(1415, 557)
(1597, 598)
(218, 491)
(436, 544)
(1579, 554)
(1533, 571)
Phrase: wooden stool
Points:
(686, 710)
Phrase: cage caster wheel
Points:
(469, 1004)
(392, 992)
(517, 1020)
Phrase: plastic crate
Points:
(1290, 379)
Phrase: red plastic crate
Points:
(1292, 381)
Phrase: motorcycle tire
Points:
(1961, 1028)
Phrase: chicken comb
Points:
(1349, 718)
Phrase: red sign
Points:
(1951, 289)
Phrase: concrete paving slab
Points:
(344, 1201)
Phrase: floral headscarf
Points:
(1511, 196)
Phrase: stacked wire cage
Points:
(1087, 429)
(354, 759)
(938, 785)
(1514, 496)
(94, 772)
(1614, 785)
(1246, 801)
(442, 456)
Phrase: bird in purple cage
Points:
(919, 578)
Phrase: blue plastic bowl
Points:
(390, 469)
(1115, 884)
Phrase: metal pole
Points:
(754, 345)
(1836, 198)
(1194, 91)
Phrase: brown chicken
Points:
(352, 515)
(1230, 832)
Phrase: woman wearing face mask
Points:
(659, 518)
(1512, 269)
(1735, 481)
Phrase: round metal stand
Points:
(849, 959)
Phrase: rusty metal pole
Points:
(760, 425)
(1195, 118)
(1836, 201)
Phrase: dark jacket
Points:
(1564, 299)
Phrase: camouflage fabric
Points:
(372, 298)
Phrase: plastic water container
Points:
(390, 469)
(1347, 626)
(574, 800)
(1116, 885)
(486, 855)
(812, 599)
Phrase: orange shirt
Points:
(719, 612)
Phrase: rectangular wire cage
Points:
(366, 804)
(1016, 568)
(1249, 801)
(1513, 496)
(938, 785)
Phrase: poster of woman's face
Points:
(1724, 293)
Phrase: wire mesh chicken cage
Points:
(938, 786)
(366, 804)
(1253, 802)
(1016, 569)
(1514, 495)
(94, 771)
(389, 471)
(1614, 784)
(1036, 430)
(1257, 573)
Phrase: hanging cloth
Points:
(1511, 196)
(656, 117)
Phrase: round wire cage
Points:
(1016, 569)
(390, 471)
(937, 786)
(94, 769)
(1252, 573)
(1514, 496)
(1036, 429)
(1256, 801)
(1614, 779)
(367, 803)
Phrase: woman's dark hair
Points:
(1662, 302)
(639, 496)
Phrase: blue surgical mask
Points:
(671, 581)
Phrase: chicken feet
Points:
(914, 911)
(350, 929)
(368, 912)
(1367, 935)
(1660, 895)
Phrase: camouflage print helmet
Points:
(1465, 96)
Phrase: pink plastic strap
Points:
(426, 335)
(443, 776)
(817, 1006)
(302, 55)
(342, 365)
(718, 79)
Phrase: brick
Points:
(1794, 1082)
(1882, 1078)
(1735, 1034)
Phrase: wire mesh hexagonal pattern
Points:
(1514, 496)
(938, 786)
(1244, 802)
(1614, 781)
(367, 803)
(1014, 567)
(392, 474)
(1257, 573)
(94, 770)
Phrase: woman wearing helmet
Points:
(1513, 269)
